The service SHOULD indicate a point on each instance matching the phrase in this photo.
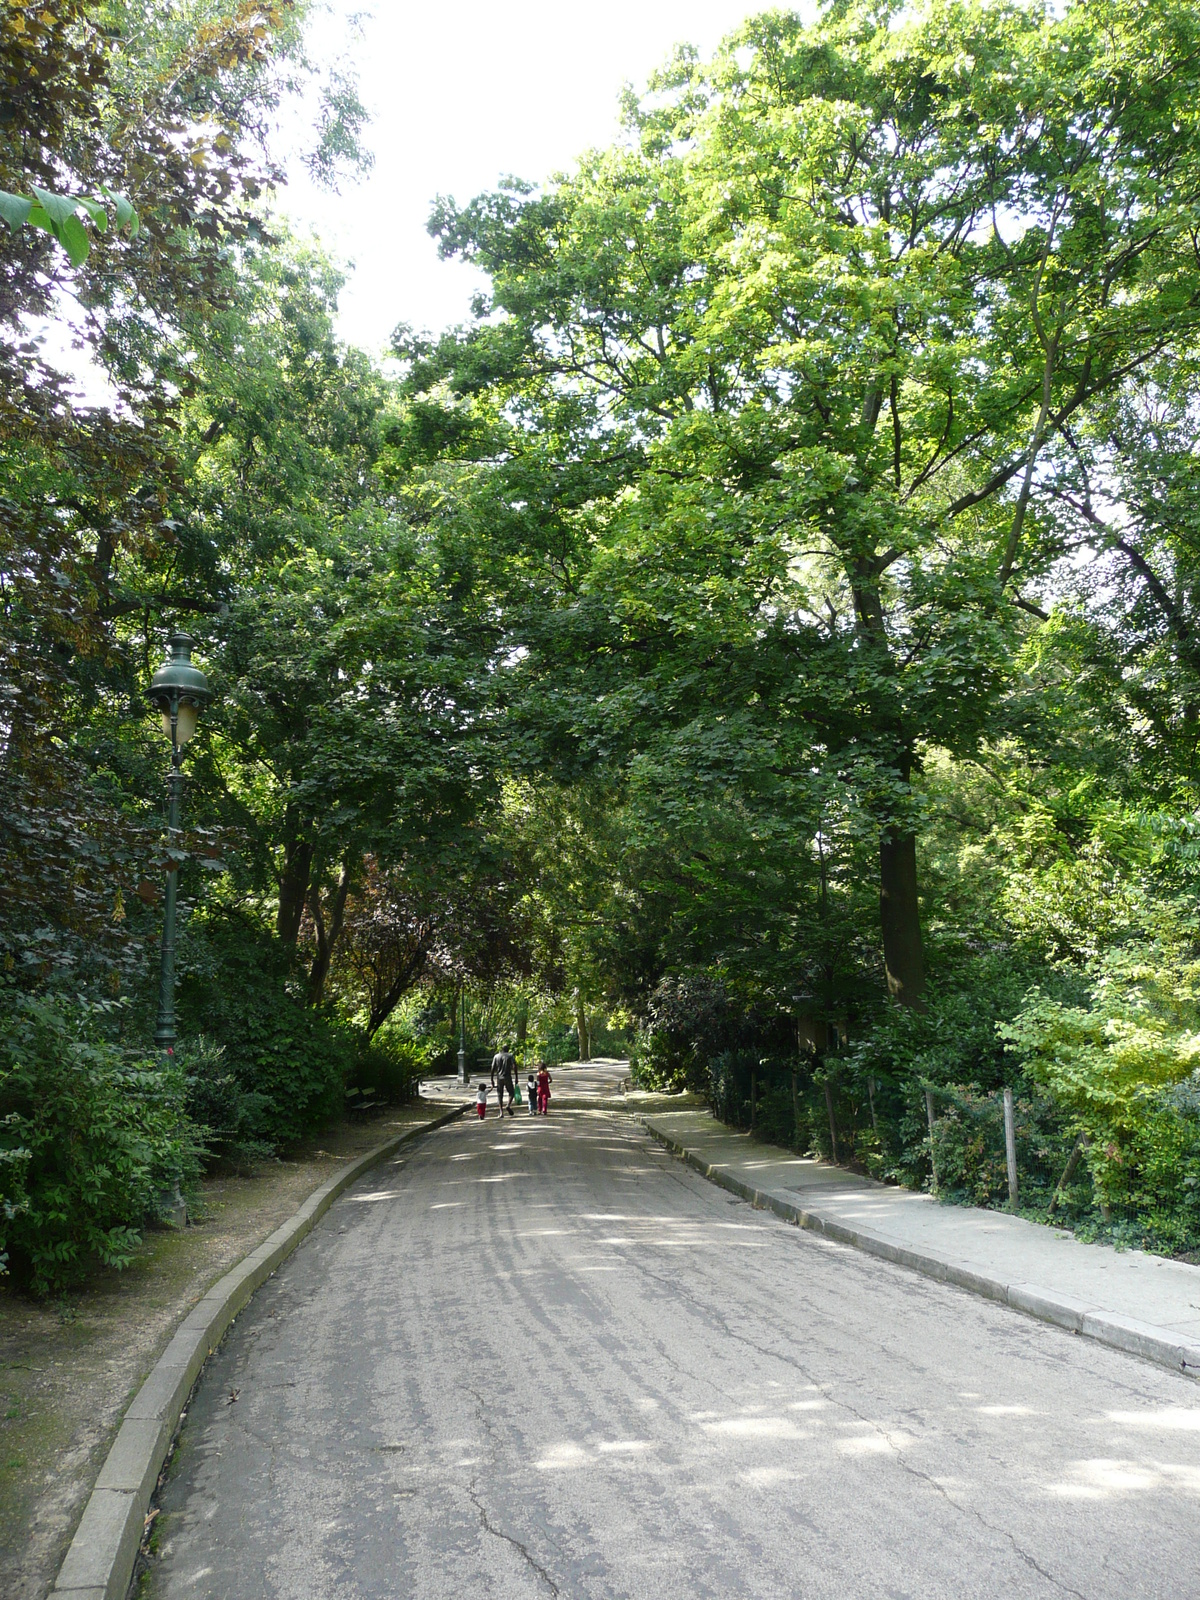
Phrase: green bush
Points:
(969, 1145)
(689, 1021)
(291, 1063)
(658, 1063)
(775, 1120)
(1123, 1069)
(391, 1067)
(728, 1086)
(224, 1113)
(559, 1043)
(94, 1140)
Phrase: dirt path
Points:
(67, 1372)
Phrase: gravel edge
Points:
(1093, 1322)
(100, 1560)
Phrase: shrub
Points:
(775, 1120)
(290, 1062)
(969, 1145)
(689, 1020)
(1121, 1069)
(728, 1086)
(391, 1066)
(558, 1042)
(658, 1063)
(94, 1140)
(224, 1113)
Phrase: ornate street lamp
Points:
(180, 692)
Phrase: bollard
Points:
(1010, 1146)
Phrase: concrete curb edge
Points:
(100, 1560)
(1106, 1327)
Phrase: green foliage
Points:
(730, 1077)
(228, 1118)
(58, 215)
(290, 1064)
(689, 1018)
(95, 1139)
(968, 1145)
(1121, 1068)
(390, 1067)
(809, 511)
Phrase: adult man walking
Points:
(504, 1076)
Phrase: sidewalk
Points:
(1139, 1303)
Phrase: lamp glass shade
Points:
(186, 719)
(180, 680)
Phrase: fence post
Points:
(832, 1120)
(932, 1147)
(1010, 1146)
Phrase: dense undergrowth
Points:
(1105, 1091)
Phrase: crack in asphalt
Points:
(485, 1522)
(488, 1526)
(992, 1527)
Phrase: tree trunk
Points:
(328, 933)
(899, 913)
(581, 1027)
(1068, 1174)
(386, 999)
(900, 917)
(293, 882)
(522, 1033)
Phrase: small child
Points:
(481, 1101)
(531, 1087)
(544, 1081)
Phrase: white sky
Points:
(460, 95)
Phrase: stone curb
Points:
(100, 1561)
(1093, 1322)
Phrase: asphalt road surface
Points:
(542, 1357)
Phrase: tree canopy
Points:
(765, 632)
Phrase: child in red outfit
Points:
(543, 1089)
(481, 1100)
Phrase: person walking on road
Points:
(544, 1081)
(481, 1101)
(504, 1076)
(531, 1087)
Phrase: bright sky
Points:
(462, 94)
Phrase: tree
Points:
(780, 372)
(166, 105)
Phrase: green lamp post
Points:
(179, 691)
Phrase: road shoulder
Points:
(100, 1559)
(70, 1370)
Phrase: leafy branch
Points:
(60, 216)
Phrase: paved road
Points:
(539, 1358)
